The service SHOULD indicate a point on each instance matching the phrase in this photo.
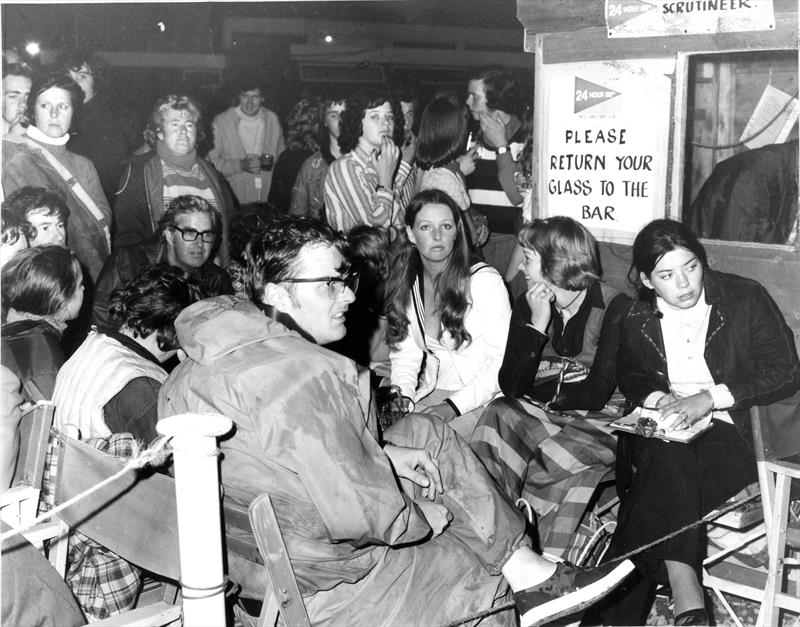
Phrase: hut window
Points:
(741, 147)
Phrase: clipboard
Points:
(633, 423)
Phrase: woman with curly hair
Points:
(302, 133)
(361, 186)
(445, 308)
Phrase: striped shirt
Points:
(181, 182)
(486, 190)
(351, 197)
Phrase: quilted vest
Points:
(98, 370)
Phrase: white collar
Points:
(686, 316)
(34, 133)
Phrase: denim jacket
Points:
(749, 347)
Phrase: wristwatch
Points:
(380, 187)
(501, 150)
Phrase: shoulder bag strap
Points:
(478, 267)
(76, 188)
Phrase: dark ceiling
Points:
(196, 27)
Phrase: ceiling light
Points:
(33, 48)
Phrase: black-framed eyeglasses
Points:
(336, 284)
(190, 235)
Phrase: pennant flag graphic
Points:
(589, 94)
(618, 12)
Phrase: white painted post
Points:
(194, 446)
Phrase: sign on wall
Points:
(604, 144)
(653, 18)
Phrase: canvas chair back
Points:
(134, 516)
(34, 430)
(19, 505)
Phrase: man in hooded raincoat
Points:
(402, 529)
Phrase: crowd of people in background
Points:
(148, 280)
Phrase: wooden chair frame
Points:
(775, 476)
(262, 543)
(19, 505)
(761, 585)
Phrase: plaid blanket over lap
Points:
(103, 583)
(553, 460)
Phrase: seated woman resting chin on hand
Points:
(561, 354)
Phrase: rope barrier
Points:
(157, 454)
(154, 456)
(707, 518)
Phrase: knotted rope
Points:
(155, 456)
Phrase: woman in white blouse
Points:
(448, 316)
(698, 344)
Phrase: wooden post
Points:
(194, 448)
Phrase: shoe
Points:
(696, 616)
(571, 589)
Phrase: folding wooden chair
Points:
(254, 534)
(783, 539)
(724, 571)
(19, 505)
(147, 518)
(134, 516)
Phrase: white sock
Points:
(525, 569)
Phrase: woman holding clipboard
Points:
(697, 341)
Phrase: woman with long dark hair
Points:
(697, 343)
(444, 161)
(448, 309)
(366, 185)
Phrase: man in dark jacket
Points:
(188, 234)
(99, 135)
(152, 180)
